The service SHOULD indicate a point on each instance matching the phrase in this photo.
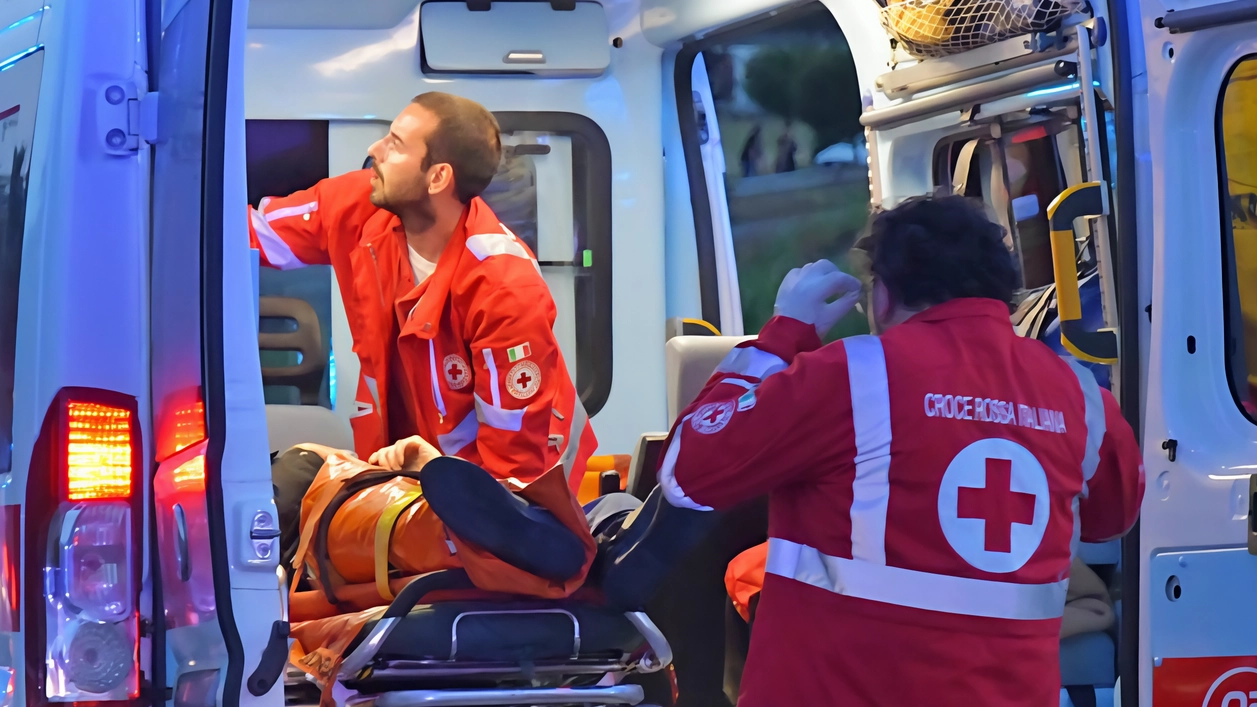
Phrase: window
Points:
(553, 190)
(19, 94)
(796, 183)
(1018, 175)
(284, 156)
(1237, 143)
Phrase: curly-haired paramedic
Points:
(926, 483)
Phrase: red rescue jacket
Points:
(484, 378)
(927, 491)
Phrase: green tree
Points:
(770, 80)
(816, 85)
(827, 96)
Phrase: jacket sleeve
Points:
(1114, 493)
(515, 399)
(304, 228)
(776, 412)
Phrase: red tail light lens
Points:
(98, 452)
(92, 579)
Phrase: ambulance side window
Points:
(1237, 161)
(553, 190)
(19, 93)
(796, 180)
(1018, 177)
(282, 157)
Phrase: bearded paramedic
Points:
(451, 319)
(928, 484)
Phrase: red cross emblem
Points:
(997, 505)
(994, 505)
(457, 372)
(524, 380)
(712, 417)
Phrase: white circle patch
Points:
(524, 380)
(712, 417)
(993, 505)
(457, 372)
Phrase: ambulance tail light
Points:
(91, 579)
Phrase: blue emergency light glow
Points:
(331, 377)
(29, 18)
(1058, 89)
(7, 64)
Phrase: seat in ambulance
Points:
(299, 336)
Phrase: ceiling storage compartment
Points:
(555, 38)
(935, 28)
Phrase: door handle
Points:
(1080, 200)
(182, 558)
(271, 664)
(1252, 520)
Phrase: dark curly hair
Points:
(931, 249)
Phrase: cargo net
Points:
(934, 28)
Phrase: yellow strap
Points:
(699, 322)
(384, 533)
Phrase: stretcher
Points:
(442, 641)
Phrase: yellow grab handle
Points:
(383, 534)
(703, 323)
(1080, 200)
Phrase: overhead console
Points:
(551, 38)
(1010, 95)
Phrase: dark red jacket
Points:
(928, 489)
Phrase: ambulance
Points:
(667, 161)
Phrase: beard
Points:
(415, 208)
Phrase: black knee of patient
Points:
(477, 508)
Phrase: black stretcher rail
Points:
(1227, 13)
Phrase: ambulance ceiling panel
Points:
(328, 14)
(666, 21)
(515, 37)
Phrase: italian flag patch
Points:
(518, 352)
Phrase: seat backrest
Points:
(290, 425)
(690, 362)
(306, 339)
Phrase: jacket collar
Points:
(421, 308)
(965, 307)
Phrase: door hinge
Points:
(149, 103)
(1252, 519)
(1171, 448)
(125, 118)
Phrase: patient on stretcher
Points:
(355, 534)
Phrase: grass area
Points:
(781, 222)
(767, 249)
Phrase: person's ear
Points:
(883, 303)
(440, 178)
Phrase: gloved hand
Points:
(408, 454)
(805, 292)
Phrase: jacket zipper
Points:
(378, 287)
(436, 390)
(436, 386)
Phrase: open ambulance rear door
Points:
(220, 637)
(1195, 175)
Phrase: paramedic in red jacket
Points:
(451, 319)
(928, 485)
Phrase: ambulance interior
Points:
(668, 162)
